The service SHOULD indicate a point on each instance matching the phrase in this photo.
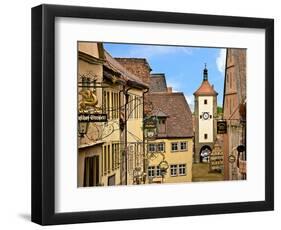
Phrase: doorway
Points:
(91, 171)
(205, 153)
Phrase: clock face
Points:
(205, 115)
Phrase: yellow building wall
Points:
(135, 135)
(109, 131)
(98, 133)
(90, 48)
(174, 158)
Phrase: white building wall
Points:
(205, 126)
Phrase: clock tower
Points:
(205, 112)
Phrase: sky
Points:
(183, 66)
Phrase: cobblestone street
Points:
(200, 172)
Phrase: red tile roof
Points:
(158, 83)
(179, 116)
(113, 64)
(137, 66)
(205, 89)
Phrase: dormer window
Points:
(162, 125)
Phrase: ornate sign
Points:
(95, 117)
(231, 159)
(221, 127)
(216, 158)
(150, 128)
(216, 162)
(150, 123)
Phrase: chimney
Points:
(169, 89)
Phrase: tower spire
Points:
(205, 73)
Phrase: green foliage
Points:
(219, 110)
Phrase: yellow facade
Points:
(180, 160)
(134, 133)
(101, 152)
(89, 146)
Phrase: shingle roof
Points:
(158, 83)
(179, 116)
(113, 64)
(137, 66)
(205, 90)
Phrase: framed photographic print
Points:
(143, 114)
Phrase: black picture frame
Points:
(43, 114)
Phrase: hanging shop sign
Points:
(150, 128)
(150, 123)
(95, 117)
(221, 127)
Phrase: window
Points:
(174, 146)
(114, 105)
(114, 156)
(112, 109)
(113, 149)
(182, 170)
(179, 146)
(108, 159)
(161, 147)
(136, 107)
(108, 104)
(156, 147)
(183, 145)
(174, 170)
(151, 171)
(205, 136)
(151, 148)
(117, 158)
(162, 125)
(205, 102)
(104, 102)
(158, 171)
(140, 108)
(105, 159)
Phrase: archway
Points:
(205, 152)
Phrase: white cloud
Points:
(221, 60)
(151, 51)
(190, 101)
(174, 84)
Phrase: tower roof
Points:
(205, 88)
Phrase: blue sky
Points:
(183, 66)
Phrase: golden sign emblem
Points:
(89, 101)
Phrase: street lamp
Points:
(83, 125)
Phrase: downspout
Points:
(143, 139)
